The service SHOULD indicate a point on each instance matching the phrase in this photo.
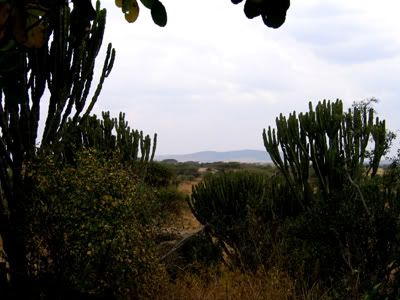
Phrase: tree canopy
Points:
(29, 23)
(272, 12)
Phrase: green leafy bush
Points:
(187, 171)
(196, 254)
(92, 228)
(159, 174)
(170, 200)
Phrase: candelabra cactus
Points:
(238, 209)
(62, 59)
(109, 135)
(331, 141)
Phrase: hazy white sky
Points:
(212, 79)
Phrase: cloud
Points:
(347, 34)
(212, 79)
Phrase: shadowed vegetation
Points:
(88, 214)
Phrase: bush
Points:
(198, 252)
(170, 199)
(92, 228)
(342, 245)
(159, 174)
(187, 171)
(240, 209)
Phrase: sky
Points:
(213, 79)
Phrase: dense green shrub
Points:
(239, 209)
(159, 174)
(92, 227)
(170, 200)
(226, 166)
(340, 245)
(197, 253)
(187, 171)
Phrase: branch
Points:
(182, 242)
(359, 192)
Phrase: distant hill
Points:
(246, 156)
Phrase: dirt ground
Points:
(185, 221)
(181, 225)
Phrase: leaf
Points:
(127, 5)
(159, 14)
(35, 9)
(274, 20)
(7, 46)
(19, 27)
(148, 3)
(252, 9)
(132, 14)
(5, 10)
(118, 3)
(36, 36)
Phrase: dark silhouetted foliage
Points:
(272, 12)
(44, 49)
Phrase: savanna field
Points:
(208, 231)
(88, 211)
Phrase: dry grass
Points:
(234, 285)
(231, 285)
(186, 186)
(186, 222)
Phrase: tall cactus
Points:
(63, 62)
(332, 142)
(237, 208)
(67, 66)
(108, 135)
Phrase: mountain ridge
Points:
(245, 155)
